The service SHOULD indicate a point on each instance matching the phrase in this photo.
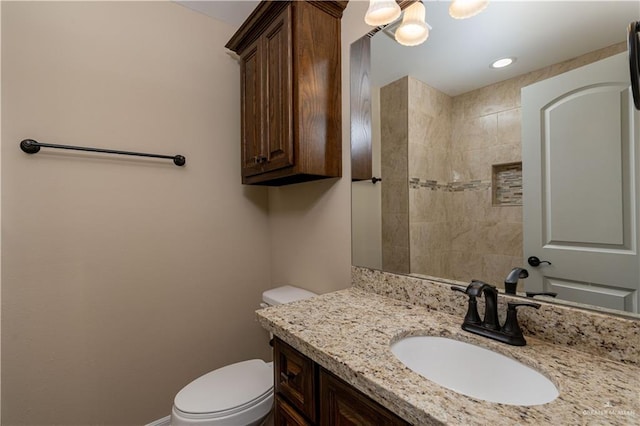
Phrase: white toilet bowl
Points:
(239, 394)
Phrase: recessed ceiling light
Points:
(504, 62)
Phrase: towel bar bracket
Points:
(28, 146)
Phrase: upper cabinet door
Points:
(277, 105)
(251, 104)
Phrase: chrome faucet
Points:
(510, 333)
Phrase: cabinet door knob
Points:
(259, 159)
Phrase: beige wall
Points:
(123, 279)
(310, 223)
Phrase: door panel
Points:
(606, 297)
(251, 110)
(584, 168)
(579, 141)
(278, 98)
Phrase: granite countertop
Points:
(349, 332)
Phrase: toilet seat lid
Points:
(227, 388)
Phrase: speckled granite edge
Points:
(607, 336)
(349, 332)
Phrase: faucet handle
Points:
(511, 327)
(513, 305)
(541, 293)
(472, 316)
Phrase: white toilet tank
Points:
(216, 399)
(285, 294)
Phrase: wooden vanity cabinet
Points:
(291, 108)
(341, 404)
(306, 394)
(296, 379)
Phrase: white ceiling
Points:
(231, 12)
(456, 56)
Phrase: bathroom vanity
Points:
(333, 359)
(308, 394)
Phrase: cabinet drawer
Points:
(286, 415)
(341, 404)
(295, 378)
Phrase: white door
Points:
(580, 175)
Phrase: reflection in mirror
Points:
(447, 138)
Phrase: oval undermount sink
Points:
(474, 371)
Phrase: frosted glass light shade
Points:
(413, 30)
(382, 12)
(462, 9)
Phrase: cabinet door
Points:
(341, 404)
(286, 415)
(295, 378)
(278, 122)
(251, 105)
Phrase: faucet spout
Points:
(511, 283)
(477, 288)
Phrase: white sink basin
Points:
(474, 371)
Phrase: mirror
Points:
(450, 202)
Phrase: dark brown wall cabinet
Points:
(360, 101)
(290, 92)
(307, 394)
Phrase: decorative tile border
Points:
(474, 185)
(416, 183)
(434, 185)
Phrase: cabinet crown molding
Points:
(266, 12)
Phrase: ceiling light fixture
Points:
(382, 12)
(504, 62)
(463, 9)
(413, 30)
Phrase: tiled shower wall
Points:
(486, 240)
(429, 125)
(437, 197)
(394, 130)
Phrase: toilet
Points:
(239, 394)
